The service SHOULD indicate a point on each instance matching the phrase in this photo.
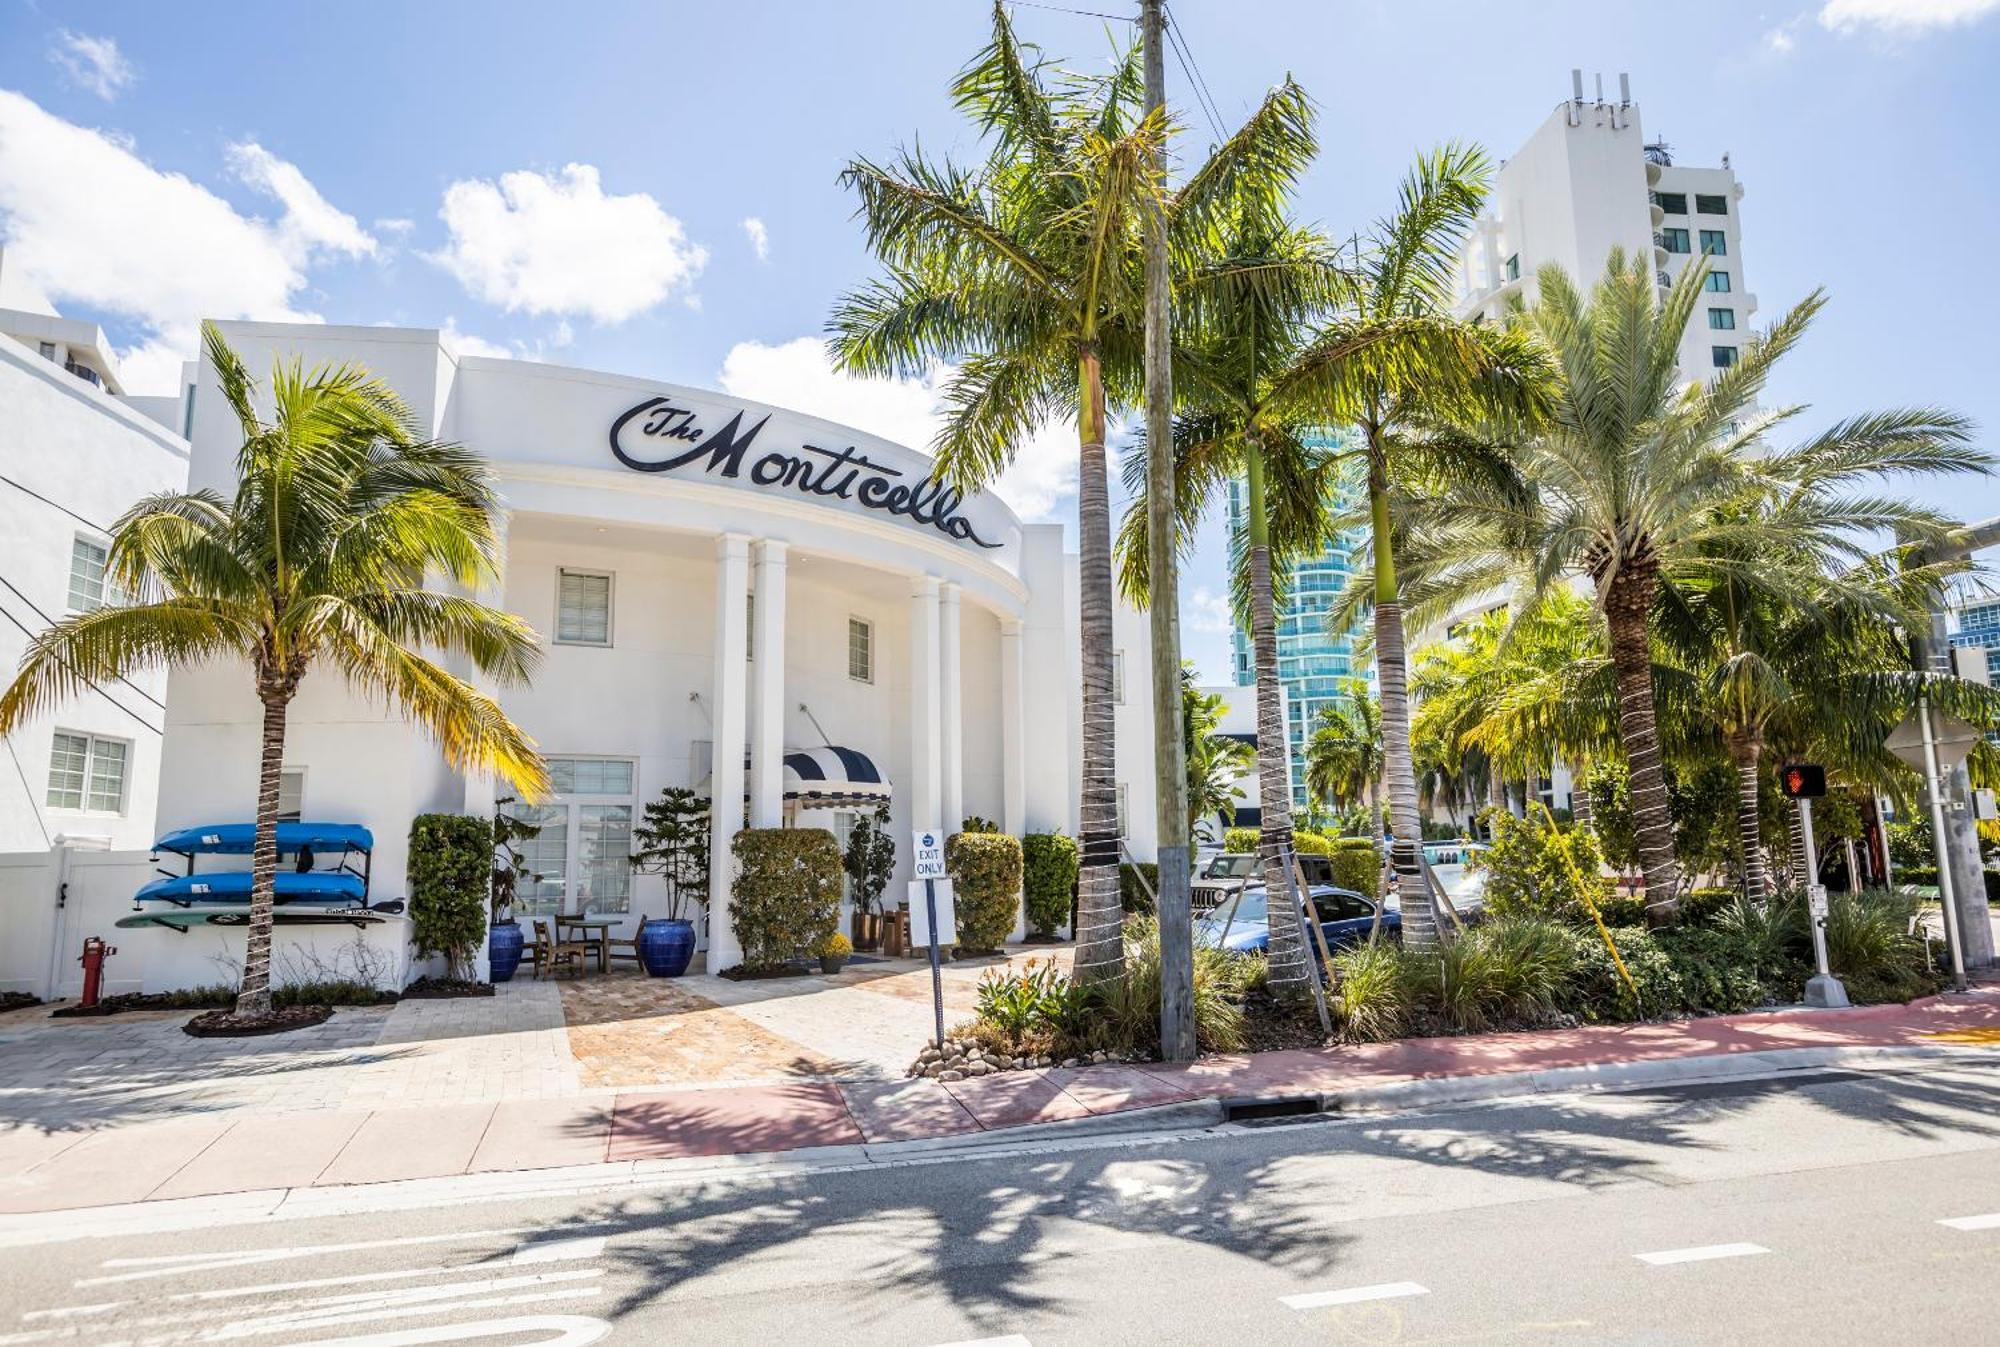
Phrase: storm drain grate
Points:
(1261, 1110)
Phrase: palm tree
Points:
(1028, 272)
(1413, 372)
(1344, 754)
(320, 559)
(1638, 479)
(1215, 761)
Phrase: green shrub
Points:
(1310, 843)
(1702, 906)
(1239, 840)
(1128, 1016)
(1619, 909)
(451, 877)
(1356, 865)
(1716, 973)
(1515, 970)
(1138, 885)
(1536, 869)
(1368, 993)
(786, 895)
(1245, 840)
(1869, 946)
(1596, 991)
(1918, 876)
(1772, 936)
(1048, 879)
(985, 871)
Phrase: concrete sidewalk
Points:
(278, 1149)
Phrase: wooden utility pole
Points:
(1174, 905)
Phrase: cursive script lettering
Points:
(841, 474)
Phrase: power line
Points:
(72, 668)
(51, 621)
(1196, 84)
(1065, 9)
(28, 490)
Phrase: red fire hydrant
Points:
(94, 951)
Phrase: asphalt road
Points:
(1825, 1208)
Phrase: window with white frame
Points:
(1118, 677)
(89, 588)
(291, 794)
(579, 857)
(87, 772)
(860, 650)
(583, 607)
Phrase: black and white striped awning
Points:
(827, 778)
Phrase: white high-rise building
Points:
(1587, 181)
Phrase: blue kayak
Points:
(240, 839)
(233, 886)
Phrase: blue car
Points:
(1345, 918)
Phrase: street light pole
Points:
(1174, 904)
(1934, 788)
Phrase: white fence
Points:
(51, 901)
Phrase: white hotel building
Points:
(705, 571)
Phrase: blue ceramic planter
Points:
(666, 946)
(503, 950)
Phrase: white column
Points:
(767, 690)
(951, 707)
(925, 705)
(1013, 765)
(725, 810)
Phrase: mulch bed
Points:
(1272, 1025)
(129, 1001)
(17, 1001)
(744, 973)
(1039, 939)
(439, 989)
(226, 1023)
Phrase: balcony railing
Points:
(85, 373)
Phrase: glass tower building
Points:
(1979, 624)
(1313, 662)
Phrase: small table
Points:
(588, 923)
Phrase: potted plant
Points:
(832, 950)
(672, 842)
(870, 861)
(503, 933)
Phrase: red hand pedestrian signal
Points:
(1802, 781)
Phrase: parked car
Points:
(1226, 872)
(1345, 918)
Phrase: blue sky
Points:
(572, 182)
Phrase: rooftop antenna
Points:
(1576, 84)
(1600, 88)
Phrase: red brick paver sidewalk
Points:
(42, 1171)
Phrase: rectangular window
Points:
(583, 607)
(291, 794)
(590, 776)
(1714, 243)
(544, 855)
(1124, 815)
(1723, 320)
(48, 350)
(604, 842)
(88, 589)
(749, 625)
(1118, 677)
(1711, 205)
(860, 650)
(1724, 356)
(87, 772)
(1717, 282)
(1673, 240)
(580, 856)
(1673, 203)
(1514, 267)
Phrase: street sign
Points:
(1953, 738)
(1802, 780)
(920, 913)
(928, 847)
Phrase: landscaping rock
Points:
(951, 1075)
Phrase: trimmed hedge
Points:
(1310, 843)
(1048, 879)
(1134, 896)
(451, 874)
(1356, 865)
(786, 895)
(1244, 840)
(985, 871)
(1239, 840)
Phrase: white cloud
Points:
(393, 224)
(1206, 611)
(86, 220)
(800, 374)
(1781, 41)
(563, 336)
(464, 343)
(1903, 17)
(310, 222)
(760, 237)
(558, 244)
(93, 63)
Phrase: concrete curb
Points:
(1615, 1076)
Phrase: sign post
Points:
(1935, 744)
(1803, 783)
(928, 849)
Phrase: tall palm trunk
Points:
(1628, 601)
(253, 1000)
(1746, 750)
(1579, 794)
(1392, 671)
(1287, 952)
(1100, 944)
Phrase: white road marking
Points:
(559, 1250)
(1011, 1340)
(264, 1328)
(173, 1264)
(1989, 1221)
(1700, 1254)
(1352, 1295)
(563, 1330)
(74, 1311)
